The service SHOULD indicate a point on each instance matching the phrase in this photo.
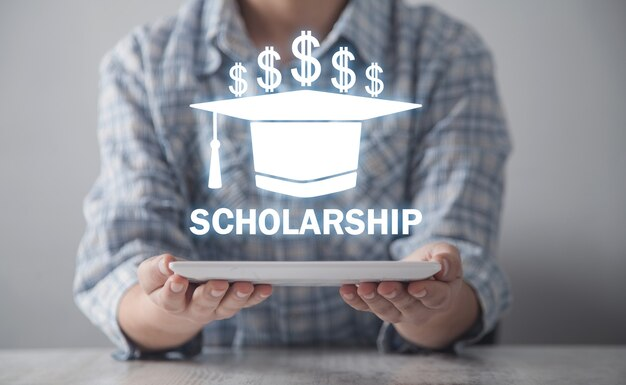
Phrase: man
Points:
(446, 160)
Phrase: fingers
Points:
(397, 294)
(210, 301)
(172, 296)
(261, 293)
(383, 308)
(394, 303)
(165, 288)
(154, 272)
(206, 298)
(217, 300)
(432, 294)
(350, 296)
(234, 300)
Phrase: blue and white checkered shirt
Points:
(446, 159)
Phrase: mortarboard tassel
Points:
(215, 171)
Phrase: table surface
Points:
(480, 365)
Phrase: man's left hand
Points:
(409, 306)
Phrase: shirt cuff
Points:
(101, 302)
(126, 274)
(185, 351)
(101, 305)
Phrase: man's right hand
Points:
(165, 310)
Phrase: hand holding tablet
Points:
(424, 295)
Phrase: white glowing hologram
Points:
(215, 171)
(304, 143)
(240, 85)
(272, 76)
(306, 105)
(347, 77)
(309, 189)
(304, 151)
(310, 67)
(305, 159)
(376, 84)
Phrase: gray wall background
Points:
(561, 73)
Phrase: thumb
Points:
(450, 259)
(154, 272)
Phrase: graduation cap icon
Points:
(304, 143)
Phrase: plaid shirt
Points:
(446, 159)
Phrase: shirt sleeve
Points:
(135, 209)
(458, 178)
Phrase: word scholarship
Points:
(224, 221)
(309, 71)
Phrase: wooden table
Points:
(486, 365)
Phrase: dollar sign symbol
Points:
(272, 75)
(377, 85)
(301, 49)
(347, 77)
(241, 85)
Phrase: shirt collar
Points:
(364, 23)
(223, 29)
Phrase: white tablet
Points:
(309, 273)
